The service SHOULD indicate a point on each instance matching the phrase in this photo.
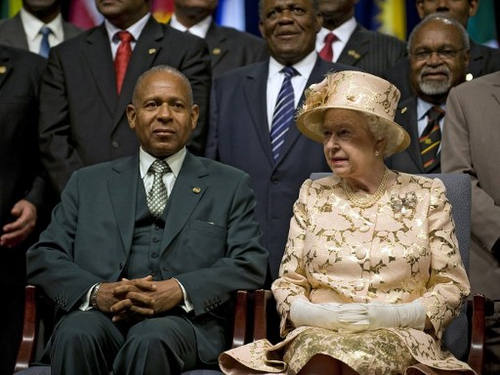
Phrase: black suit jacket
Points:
(82, 119)
(210, 243)
(239, 136)
(372, 51)
(409, 160)
(230, 49)
(12, 32)
(20, 172)
(483, 60)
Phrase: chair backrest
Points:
(458, 192)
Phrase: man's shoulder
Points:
(237, 36)
(476, 85)
(221, 171)
(248, 70)
(379, 38)
(104, 168)
(19, 57)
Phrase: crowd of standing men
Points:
(69, 108)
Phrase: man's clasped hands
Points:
(138, 298)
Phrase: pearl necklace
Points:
(370, 200)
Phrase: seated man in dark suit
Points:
(228, 47)
(343, 40)
(483, 60)
(439, 53)
(143, 253)
(89, 81)
(252, 123)
(37, 27)
(23, 189)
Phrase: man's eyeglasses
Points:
(443, 53)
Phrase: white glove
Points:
(405, 315)
(335, 316)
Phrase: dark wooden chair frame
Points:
(26, 352)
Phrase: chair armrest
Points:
(262, 300)
(240, 319)
(476, 351)
(30, 328)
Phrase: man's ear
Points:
(419, 4)
(131, 116)
(195, 113)
(473, 5)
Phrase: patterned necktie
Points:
(44, 44)
(157, 196)
(284, 111)
(326, 52)
(122, 57)
(431, 139)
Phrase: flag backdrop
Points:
(395, 17)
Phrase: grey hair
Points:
(444, 18)
(315, 6)
(163, 69)
(376, 129)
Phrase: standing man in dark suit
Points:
(89, 82)
(252, 111)
(37, 27)
(22, 188)
(143, 253)
(228, 47)
(343, 40)
(483, 60)
(439, 53)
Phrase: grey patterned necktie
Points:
(157, 196)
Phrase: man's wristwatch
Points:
(93, 295)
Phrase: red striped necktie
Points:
(122, 57)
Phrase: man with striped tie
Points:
(252, 123)
(439, 54)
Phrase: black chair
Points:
(465, 335)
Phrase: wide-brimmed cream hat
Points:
(356, 91)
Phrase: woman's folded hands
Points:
(357, 316)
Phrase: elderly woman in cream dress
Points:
(371, 274)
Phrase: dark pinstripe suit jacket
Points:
(372, 51)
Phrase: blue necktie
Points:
(283, 112)
(44, 45)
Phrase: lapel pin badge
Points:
(3, 69)
(468, 77)
(354, 54)
(196, 190)
(216, 51)
(152, 51)
(404, 110)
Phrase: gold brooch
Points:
(404, 110)
(3, 69)
(152, 51)
(196, 190)
(216, 51)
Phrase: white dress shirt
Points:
(200, 29)
(343, 33)
(135, 30)
(275, 80)
(175, 162)
(32, 26)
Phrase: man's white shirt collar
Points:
(32, 26)
(343, 33)
(135, 29)
(200, 29)
(174, 161)
(304, 66)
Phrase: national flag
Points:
(9, 8)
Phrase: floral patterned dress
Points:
(400, 249)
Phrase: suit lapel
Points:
(18, 34)
(216, 44)
(188, 190)
(317, 74)
(122, 189)
(147, 48)
(5, 67)
(97, 52)
(355, 48)
(255, 92)
(408, 113)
